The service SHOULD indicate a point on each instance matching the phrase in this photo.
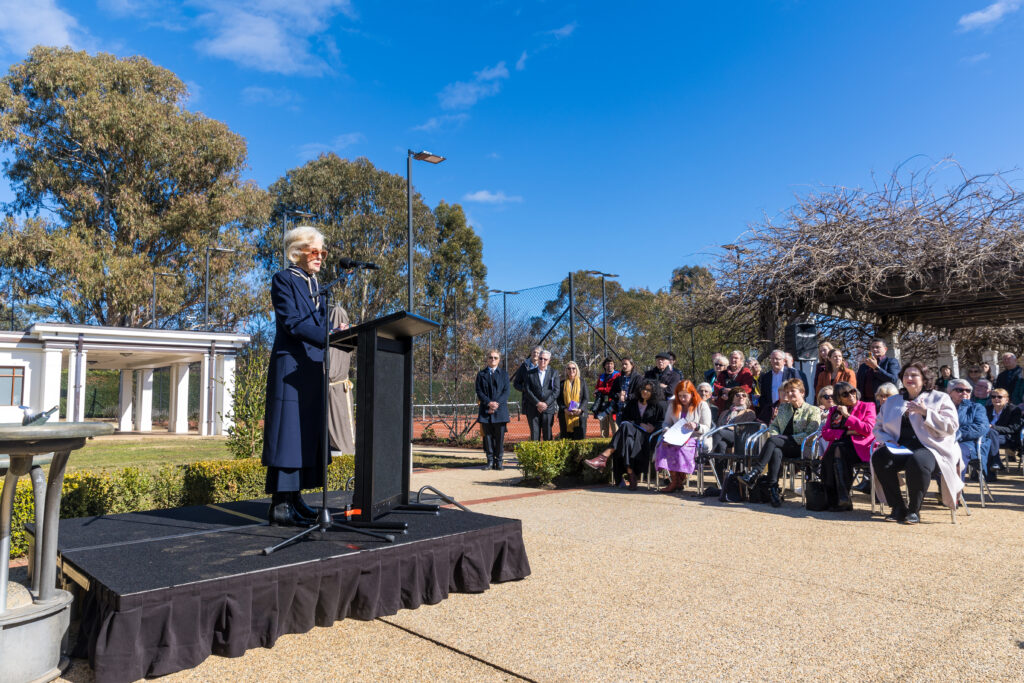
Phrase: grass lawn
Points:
(150, 453)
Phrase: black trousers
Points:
(540, 424)
(722, 442)
(493, 434)
(843, 454)
(919, 466)
(286, 480)
(774, 450)
(630, 449)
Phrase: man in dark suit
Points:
(1005, 421)
(664, 374)
(770, 383)
(540, 394)
(876, 370)
(492, 387)
(1008, 376)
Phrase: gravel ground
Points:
(645, 586)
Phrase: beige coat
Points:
(936, 430)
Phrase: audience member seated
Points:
(825, 400)
(836, 370)
(973, 425)
(630, 450)
(624, 387)
(735, 375)
(663, 373)
(771, 383)
(704, 390)
(794, 421)
(849, 431)
(945, 375)
(917, 428)
(877, 369)
(1005, 419)
(687, 406)
(981, 392)
(731, 440)
(881, 394)
(973, 374)
(604, 403)
(572, 404)
(754, 366)
(1010, 373)
(718, 363)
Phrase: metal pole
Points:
(430, 365)
(572, 319)
(206, 296)
(154, 301)
(504, 329)
(408, 196)
(604, 318)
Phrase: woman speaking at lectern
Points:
(294, 421)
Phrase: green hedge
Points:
(129, 490)
(545, 460)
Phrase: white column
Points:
(125, 402)
(69, 403)
(946, 349)
(76, 387)
(177, 421)
(144, 400)
(991, 356)
(204, 396)
(50, 381)
(225, 385)
(892, 341)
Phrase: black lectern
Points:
(383, 409)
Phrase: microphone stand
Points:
(324, 520)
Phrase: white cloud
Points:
(27, 23)
(257, 94)
(195, 93)
(974, 59)
(269, 35)
(463, 94)
(443, 121)
(563, 32)
(988, 17)
(488, 197)
(521, 62)
(313, 149)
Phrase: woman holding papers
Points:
(917, 430)
(686, 418)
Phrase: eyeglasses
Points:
(828, 397)
(316, 253)
(961, 390)
(851, 392)
(494, 357)
(721, 365)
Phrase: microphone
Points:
(352, 263)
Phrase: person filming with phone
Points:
(876, 370)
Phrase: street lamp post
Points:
(206, 295)
(604, 316)
(430, 159)
(504, 323)
(155, 276)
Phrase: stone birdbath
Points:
(34, 623)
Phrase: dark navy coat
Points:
(294, 421)
(492, 386)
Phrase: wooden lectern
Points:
(383, 411)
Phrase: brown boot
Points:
(674, 483)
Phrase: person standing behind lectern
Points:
(294, 423)
(540, 397)
(492, 387)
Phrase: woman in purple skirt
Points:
(685, 405)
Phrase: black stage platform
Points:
(160, 591)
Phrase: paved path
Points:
(646, 586)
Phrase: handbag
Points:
(816, 496)
(759, 491)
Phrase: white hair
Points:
(299, 238)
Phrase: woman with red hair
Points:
(687, 406)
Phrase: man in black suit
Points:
(1005, 421)
(1010, 373)
(540, 394)
(770, 383)
(492, 387)
(876, 370)
(664, 374)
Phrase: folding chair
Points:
(705, 456)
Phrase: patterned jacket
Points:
(806, 420)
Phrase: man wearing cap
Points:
(663, 373)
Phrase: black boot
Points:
(843, 502)
(750, 477)
(282, 512)
(301, 509)
(775, 494)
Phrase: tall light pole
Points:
(604, 311)
(430, 159)
(206, 296)
(504, 323)
(155, 276)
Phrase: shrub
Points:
(545, 460)
(249, 396)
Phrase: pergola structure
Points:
(39, 354)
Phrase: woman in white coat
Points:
(917, 428)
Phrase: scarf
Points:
(311, 283)
(570, 394)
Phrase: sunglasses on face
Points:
(844, 394)
(827, 397)
(961, 390)
(721, 365)
(493, 358)
(316, 253)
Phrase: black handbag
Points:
(816, 496)
(759, 491)
(731, 491)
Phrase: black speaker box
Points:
(802, 341)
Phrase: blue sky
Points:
(632, 138)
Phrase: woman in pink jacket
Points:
(849, 429)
